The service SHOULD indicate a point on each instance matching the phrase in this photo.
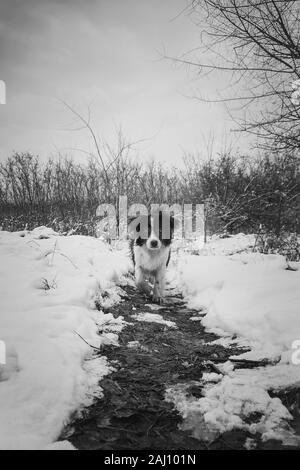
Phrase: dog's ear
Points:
(132, 226)
(138, 227)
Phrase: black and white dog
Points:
(151, 250)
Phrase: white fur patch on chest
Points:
(151, 261)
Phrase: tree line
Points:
(239, 193)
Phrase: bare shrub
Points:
(239, 194)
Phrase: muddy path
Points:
(133, 414)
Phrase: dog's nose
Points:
(154, 243)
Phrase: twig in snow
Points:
(53, 253)
(91, 346)
(254, 363)
(62, 254)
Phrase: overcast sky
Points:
(106, 55)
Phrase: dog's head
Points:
(152, 231)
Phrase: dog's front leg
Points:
(159, 285)
(140, 280)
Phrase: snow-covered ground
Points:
(253, 298)
(48, 287)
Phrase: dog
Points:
(151, 250)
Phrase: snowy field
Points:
(48, 288)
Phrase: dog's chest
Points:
(148, 261)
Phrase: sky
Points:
(104, 57)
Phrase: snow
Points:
(48, 287)
(211, 377)
(153, 318)
(253, 296)
(60, 445)
(133, 344)
(250, 444)
(230, 402)
(153, 306)
(215, 245)
(229, 245)
(251, 300)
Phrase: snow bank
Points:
(216, 245)
(254, 297)
(229, 245)
(48, 284)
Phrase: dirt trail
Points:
(133, 414)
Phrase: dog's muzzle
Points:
(153, 244)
